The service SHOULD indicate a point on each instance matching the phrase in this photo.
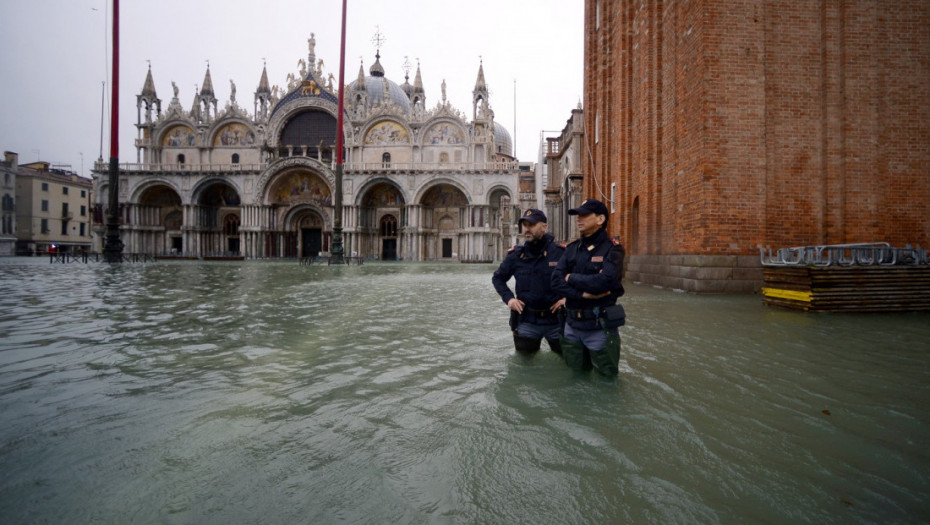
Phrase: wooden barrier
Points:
(849, 289)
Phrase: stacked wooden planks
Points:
(848, 288)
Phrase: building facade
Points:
(52, 208)
(8, 168)
(727, 127)
(421, 181)
(564, 160)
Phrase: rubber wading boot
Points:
(555, 345)
(607, 361)
(526, 345)
(575, 354)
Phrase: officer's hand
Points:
(558, 304)
(586, 295)
(516, 305)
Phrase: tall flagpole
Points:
(338, 252)
(113, 246)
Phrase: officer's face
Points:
(534, 232)
(589, 224)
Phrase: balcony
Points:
(101, 167)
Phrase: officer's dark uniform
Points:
(596, 266)
(532, 264)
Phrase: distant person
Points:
(535, 308)
(588, 276)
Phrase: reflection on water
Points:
(271, 392)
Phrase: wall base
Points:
(702, 274)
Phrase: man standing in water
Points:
(588, 276)
(534, 310)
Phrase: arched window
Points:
(231, 225)
(235, 158)
(386, 160)
(389, 226)
(180, 158)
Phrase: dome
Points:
(374, 87)
(503, 143)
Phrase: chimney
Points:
(11, 159)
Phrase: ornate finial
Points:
(150, 63)
(406, 67)
(208, 63)
(378, 39)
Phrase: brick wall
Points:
(726, 125)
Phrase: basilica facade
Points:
(421, 180)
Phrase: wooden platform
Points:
(851, 289)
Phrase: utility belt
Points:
(533, 313)
(534, 316)
(606, 317)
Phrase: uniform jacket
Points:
(532, 264)
(596, 266)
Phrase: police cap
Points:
(590, 206)
(533, 216)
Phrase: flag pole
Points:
(113, 246)
(338, 251)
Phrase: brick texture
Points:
(726, 125)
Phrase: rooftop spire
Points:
(361, 75)
(480, 83)
(207, 88)
(148, 88)
(418, 80)
(263, 86)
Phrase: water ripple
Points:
(272, 392)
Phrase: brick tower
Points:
(717, 127)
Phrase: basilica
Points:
(421, 181)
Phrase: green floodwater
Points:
(269, 392)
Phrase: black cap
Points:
(590, 206)
(533, 216)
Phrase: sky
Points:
(55, 61)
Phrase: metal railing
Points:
(351, 166)
(856, 254)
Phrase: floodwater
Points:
(269, 392)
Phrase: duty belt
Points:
(582, 315)
(532, 312)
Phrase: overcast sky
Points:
(55, 56)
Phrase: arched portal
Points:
(388, 232)
(445, 209)
(309, 227)
(300, 195)
(158, 218)
(381, 213)
(216, 202)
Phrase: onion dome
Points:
(376, 85)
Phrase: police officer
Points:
(588, 276)
(535, 309)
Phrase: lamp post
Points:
(338, 252)
(113, 246)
